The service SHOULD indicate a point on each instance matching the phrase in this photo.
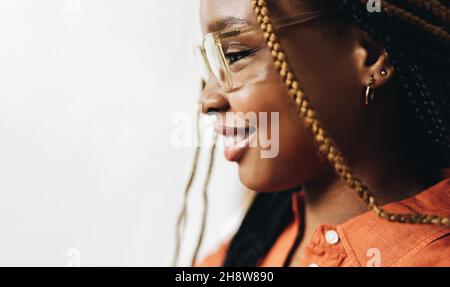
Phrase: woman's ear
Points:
(372, 60)
(382, 70)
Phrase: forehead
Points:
(216, 15)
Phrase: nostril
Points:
(213, 99)
(215, 104)
(212, 111)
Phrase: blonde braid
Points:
(182, 217)
(205, 202)
(324, 142)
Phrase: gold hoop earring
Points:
(370, 91)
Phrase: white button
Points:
(314, 265)
(331, 237)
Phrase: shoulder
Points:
(434, 254)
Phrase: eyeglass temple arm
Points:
(279, 23)
(299, 19)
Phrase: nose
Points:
(213, 98)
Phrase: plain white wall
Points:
(88, 174)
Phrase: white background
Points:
(88, 174)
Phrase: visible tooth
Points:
(229, 141)
(235, 139)
(240, 135)
(229, 134)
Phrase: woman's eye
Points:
(236, 56)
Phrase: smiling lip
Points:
(239, 137)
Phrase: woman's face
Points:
(317, 61)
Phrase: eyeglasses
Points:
(223, 51)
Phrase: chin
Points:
(277, 174)
(253, 183)
(260, 175)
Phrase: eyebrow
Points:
(224, 23)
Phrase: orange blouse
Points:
(367, 240)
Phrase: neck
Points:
(331, 201)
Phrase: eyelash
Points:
(236, 56)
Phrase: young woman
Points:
(361, 92)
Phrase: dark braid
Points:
(415, 34)
(418, 76)
(431, 10)
(268, 216)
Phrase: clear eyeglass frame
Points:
(213, 55)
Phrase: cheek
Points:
(330, 80)
(296, 162)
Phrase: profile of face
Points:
(318, 61)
